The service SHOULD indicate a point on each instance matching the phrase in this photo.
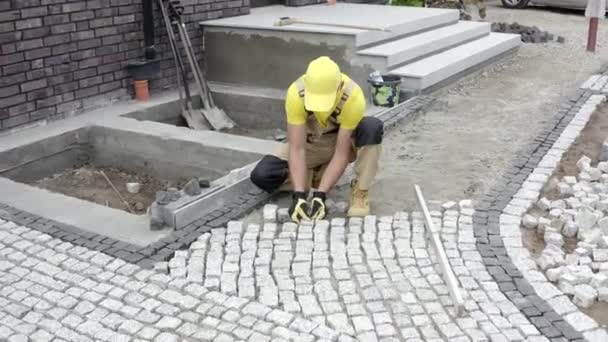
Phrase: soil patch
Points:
(87, 183)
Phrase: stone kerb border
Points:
(523, 200)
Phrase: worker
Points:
(461, 5)
(465, 12)
(326, 130)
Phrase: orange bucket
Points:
(141, 90)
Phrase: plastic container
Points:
(385, 93)
(141, 90)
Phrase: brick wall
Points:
(62, 57)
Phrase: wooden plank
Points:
(444, 263)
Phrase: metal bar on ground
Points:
(444, 263)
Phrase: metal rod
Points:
(444, 263)
(116, 190)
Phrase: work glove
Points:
(298, 210)
(318, 211)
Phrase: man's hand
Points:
(298, 210)
(317, 207)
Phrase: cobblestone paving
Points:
(54, 291)
(374, 279)
(524, 199)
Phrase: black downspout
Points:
(148, 8)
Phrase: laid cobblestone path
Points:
(375, 279)
(53, 291)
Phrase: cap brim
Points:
(319, 102)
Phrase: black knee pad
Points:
(270, 173)
(369, 132)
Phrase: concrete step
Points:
(389, 55)
(399, 21)
(432, 70)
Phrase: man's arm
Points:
(296, 136)
(339, 161)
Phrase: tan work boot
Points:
(359, 201)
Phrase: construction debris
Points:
(529, 34)
(133, 187)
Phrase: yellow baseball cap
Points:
(321, 83)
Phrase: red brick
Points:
(63, 28)
(84, 15)
(36, 33)
(33, 85)
(29, 44)
(132, 54)
(28, 23)
(34, 12)
(3, 113)
(133, 36)
(16, 68)
(38, 53)
(8, 91)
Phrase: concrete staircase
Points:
(426, 47)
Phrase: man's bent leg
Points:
(368, 139)
(270, 173)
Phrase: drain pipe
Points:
(142, 70)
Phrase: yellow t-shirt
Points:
(352, 112)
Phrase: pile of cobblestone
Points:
(529, 34)
(581, 212)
